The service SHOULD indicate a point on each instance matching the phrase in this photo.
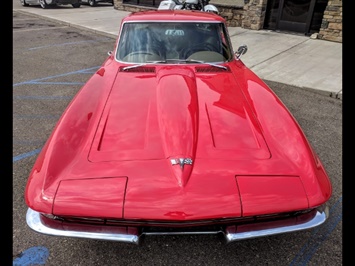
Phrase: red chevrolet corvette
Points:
(175, 135)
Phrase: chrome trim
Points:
(321, 216)
(34, 222)
(181, 161)
(182, 233)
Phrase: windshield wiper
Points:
(202, 62)
(144, 64)
(174, 60)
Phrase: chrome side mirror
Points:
(241, 50)
(109, 53)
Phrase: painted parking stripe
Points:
(32, 256)
(71, 43)
(319, 235)
(25, 97)
(37, 81)
(37, 29)
(55, 83)
(28, 142)
(36, 116)
(25, 155)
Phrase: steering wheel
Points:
(142, 53)
(196, 48)
(141, 57)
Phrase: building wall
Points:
(332, 23)
(254, 14)
(250, 14)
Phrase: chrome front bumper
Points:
(132, 235)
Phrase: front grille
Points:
(212, 224)
(182, 230)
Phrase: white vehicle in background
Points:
(202, 5)
(51, 3)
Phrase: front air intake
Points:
(138, 69)
(211, 69)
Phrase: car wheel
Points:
(92, 3)
(76, 5)
(24, 3)
(43, 3)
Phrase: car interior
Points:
(146, 42)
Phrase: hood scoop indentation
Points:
(211, 69)
(138, 69)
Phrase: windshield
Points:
(142, 42)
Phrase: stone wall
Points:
(332, 23)
(254, 14)
(231, 10)
(232, 14)
(250, 14)
(130, 8)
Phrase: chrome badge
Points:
(181, 161)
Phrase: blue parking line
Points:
(70, 43)
(25, 155)
(319, 235)
(39, 255)
(36, 116)
(54, 83)
(28, 142)
(42, 81)
(38, 81)
(25, 97)
(32, 256)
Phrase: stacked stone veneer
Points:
(254, 14)
(232, 14)
(251, 15)
(332, 23)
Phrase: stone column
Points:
(254, 14)
(332, 23)
(117, 4)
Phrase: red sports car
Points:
(175, 135)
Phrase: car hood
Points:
(156, 113)
(178, 143)
(177, 127)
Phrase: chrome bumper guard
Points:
(131, 234)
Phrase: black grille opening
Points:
(211, 69)
(139, 69)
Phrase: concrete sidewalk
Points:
(291, 59)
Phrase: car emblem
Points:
(181, 161)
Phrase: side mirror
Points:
(241, 50)
(109, 53)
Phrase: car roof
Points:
(173, 15)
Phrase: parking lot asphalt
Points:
(291, 59)
(51, 62)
